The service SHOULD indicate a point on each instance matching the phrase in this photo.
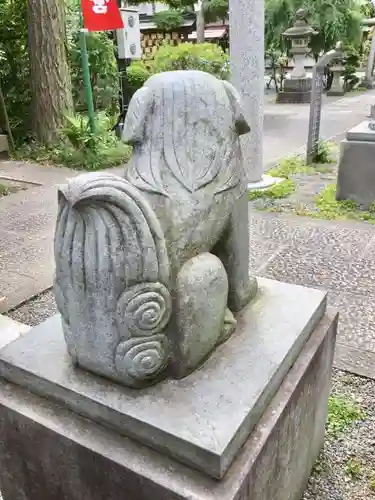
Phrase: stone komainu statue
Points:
(150, 267)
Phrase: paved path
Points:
(335, 256)
(286, 126)
(27, 221)
(321, 254)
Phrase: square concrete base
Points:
(218, 408)
(295, 97)
(336, 92)
(296, 90)
(356, 171)
(50, 453)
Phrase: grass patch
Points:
(327, 207)
(342, 413)
(353, 468)
(325, 152)
(279, 190)
(290, 166)
(79, 148)
(7, 190)
(371, 481)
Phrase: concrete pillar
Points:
(246, 34)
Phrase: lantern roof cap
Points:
(301, 27)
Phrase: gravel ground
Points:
(35, 310)
(345, 469)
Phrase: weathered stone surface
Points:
(10, 330)
(297, 91)
(246, 19)
(202, 280)
(120, 243)
(361, 132)
(49, 453)
(219, 404)
(356, 171)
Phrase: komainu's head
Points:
(186, 123)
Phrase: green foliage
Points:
(204, 56)
(137, 74)
(279, 15)
(335, 20)
(102, 60)
(167, 20)
(79, 148)
(353, 468)
(7, 190)
(342, 413)
(277, 62)
(289, 166)
(351, 63)
(371, 481)
(323, 153)
(279, 190)
(215, 9)
(14, 65)
(327, 207)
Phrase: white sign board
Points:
(129, 38)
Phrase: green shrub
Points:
(81, 149)
(203, 56)
(137, 74)
(351, 63)
(167, 20)
(15, 66)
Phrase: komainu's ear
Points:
(139, 108)
(242, 127)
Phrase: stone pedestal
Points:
(356, 172)
(296, 91)
(247, 425)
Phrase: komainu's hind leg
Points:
(233, 251)
(202, 320)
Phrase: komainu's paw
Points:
(229, 326)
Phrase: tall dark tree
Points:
(50, 78)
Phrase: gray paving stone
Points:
(343, 238)
(356, 320)
(355, 360)
(304, 265)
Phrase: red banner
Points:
(101, 15)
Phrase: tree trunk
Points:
(200, 23)
(50, 79)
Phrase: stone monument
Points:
(170, 372)
(356, 172)
(297, 88)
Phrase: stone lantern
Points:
(297, 88)
(337, 87)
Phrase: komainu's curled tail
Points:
(112, 279)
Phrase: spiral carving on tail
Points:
(143, 311)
